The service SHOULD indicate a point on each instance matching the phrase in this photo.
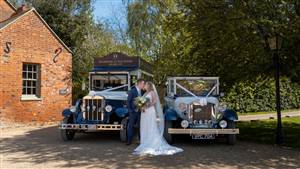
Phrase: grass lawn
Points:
(264, 131)
(266, 112)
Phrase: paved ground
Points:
(268, 116)
(39, 148)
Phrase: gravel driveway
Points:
(41, 147)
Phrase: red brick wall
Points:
(5, 10)
(33, 42)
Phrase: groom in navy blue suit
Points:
(134, 113)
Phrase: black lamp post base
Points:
(279, 136)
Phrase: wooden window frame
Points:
(31, 74)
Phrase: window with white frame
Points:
(31, 79)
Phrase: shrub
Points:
(259, 95)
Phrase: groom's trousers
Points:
(134, 118)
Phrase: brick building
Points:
(35, 68)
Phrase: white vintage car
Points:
(192, 107)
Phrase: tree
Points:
(151, 36)
(215, 38)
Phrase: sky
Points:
(113, 14)
(108, 9)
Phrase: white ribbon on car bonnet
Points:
(201, 100)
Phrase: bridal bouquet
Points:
(140, 102)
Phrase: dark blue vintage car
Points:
(192, 107)
(105, 107)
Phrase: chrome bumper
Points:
(203, 131)
(91, 127)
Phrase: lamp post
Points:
(275, 45)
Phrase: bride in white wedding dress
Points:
(151, 127)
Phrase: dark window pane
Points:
(33, 90)
(24, 90)
(34, 76)
(34, 83)
(28, 83)
(29, 75)
(29, 90)
(29, 67)
(34, 68)
(24, 83)
(24, 67)
(24, 75)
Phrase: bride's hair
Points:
(150, 85)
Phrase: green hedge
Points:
(259, 95)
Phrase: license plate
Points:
(203, 136)
(92, 127)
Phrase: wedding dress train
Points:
(151, 139)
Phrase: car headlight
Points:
(108, 108)
(223, 124)
(182, 107)
(73, 109)
(222, 107)
(184, 123)
(82, 108)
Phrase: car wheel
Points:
(167, 135)
(67, 134)
(123, 132)
(231, 138)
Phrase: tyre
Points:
(67, 134)
(123, 132)
(231, 138)
(167, 135)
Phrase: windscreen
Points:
(108, 81)
(197, 87)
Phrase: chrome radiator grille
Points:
(93, 108)
(202, 112)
